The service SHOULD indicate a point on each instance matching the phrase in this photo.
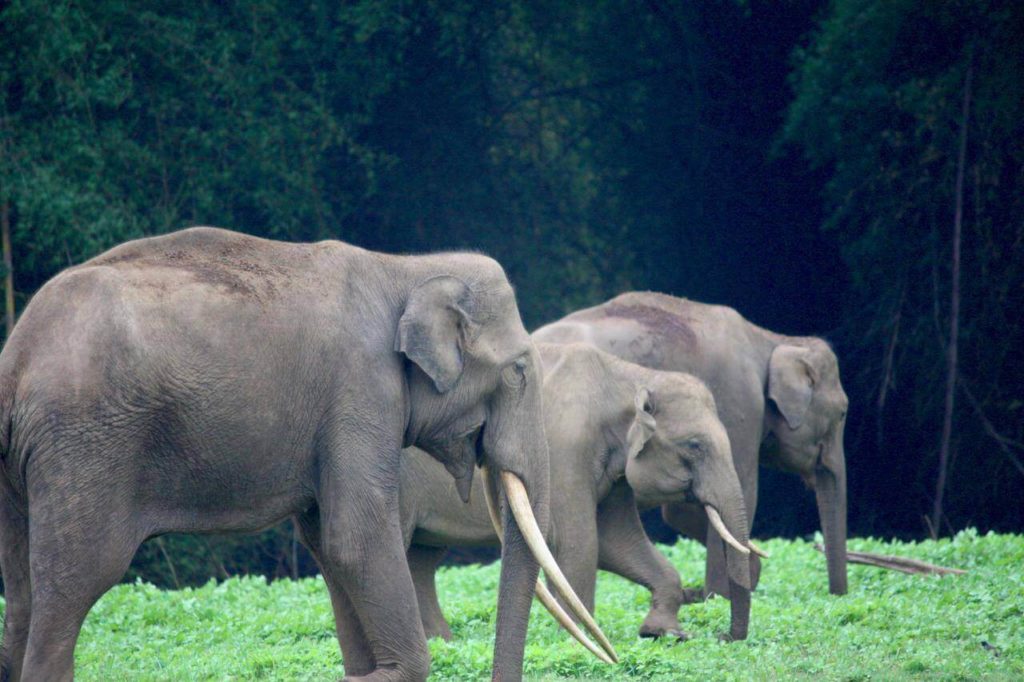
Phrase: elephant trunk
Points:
(830, 492)
(519, 571)
(737, 561)
(739, 610)
(722, 493)
(737, 557)
(738, 568)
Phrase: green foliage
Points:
(394, 125)
(546, 135)
(119, 122)
(890, 625)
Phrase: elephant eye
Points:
(514, 375)
(694, 447)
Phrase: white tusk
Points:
(559, 614)
(543, 595)
(519, 501)
(757, 550)
(719, 525)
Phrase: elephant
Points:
(207, 380)
(779, 397)
(615, 430)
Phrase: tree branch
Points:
(896, 563)
(954, 302)
(585, 88)
(1005, 444)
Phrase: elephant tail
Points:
(6, 409)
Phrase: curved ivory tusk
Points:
(554, 608)
(519, 501)
(719, 525)
(757, 550)
(543, 595)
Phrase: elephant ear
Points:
(434, 328)
(643, 425)
(791, 380)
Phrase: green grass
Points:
(890, 625)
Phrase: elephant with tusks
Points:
(209, 381)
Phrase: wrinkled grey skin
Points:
(614, 430)
(210, 381)
(779, 397)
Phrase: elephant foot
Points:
(728, 637)
(680, 635)
(389, 675)
(659, 625)
(693, 595)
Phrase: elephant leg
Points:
(625, 549)
(14, 565)
(76, 553)
(574, 530)
(423, 562)
(692, 522)
(363, 555)
(355, 648)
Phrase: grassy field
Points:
(890, 625)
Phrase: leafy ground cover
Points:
(890, 625)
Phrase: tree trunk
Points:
(954, 307)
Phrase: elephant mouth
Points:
(819, 460)
(478, 446)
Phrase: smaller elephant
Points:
(616, 431)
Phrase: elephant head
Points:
(678, 450)
(804, 423)
(474, 382)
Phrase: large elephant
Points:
(779, 397)
(211, 381)
(615, 430)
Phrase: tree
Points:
(879, 107)
(119, 123)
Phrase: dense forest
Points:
(852, 169)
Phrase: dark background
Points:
(794, 159)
